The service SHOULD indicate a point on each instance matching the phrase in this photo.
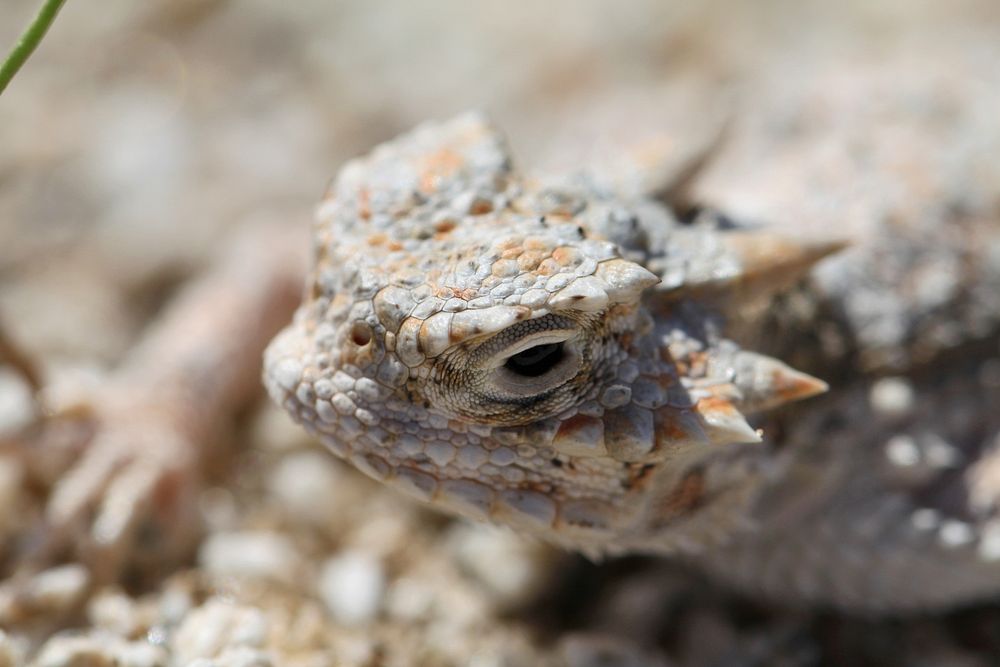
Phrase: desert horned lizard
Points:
(560, 356)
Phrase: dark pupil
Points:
(537, 360)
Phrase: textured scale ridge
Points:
(524, 352)
(567, 357)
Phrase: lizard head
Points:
(498, 346)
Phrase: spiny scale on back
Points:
(543, 354)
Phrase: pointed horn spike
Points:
(724, 424)
(793, 385)
(625, 280)
(759, 264)
(771, 263)
(766, 383)
(762, 252)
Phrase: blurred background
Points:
(141, 135)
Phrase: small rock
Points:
(892, 397)
(60, 587)
(216, 626)
(236, 657)
(510, 568)
(113, 611)
(261, 555)
(410, 599)
(273, 429)
(902, 451)
(72, 651)
(175, 603)
(305, 485)
(99, 650)
(352, 586)
(218, 510)
(989, 541)
(50, 593)
(140, 654)
(16, 406)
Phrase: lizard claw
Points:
(128, 501)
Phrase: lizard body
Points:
(552, 355)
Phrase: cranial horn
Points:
(765, 383)
(625, 280)
(770, 263)
(723, 423)
(744, 267)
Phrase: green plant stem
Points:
(29, 41)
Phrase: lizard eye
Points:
(537, 360)
(537, 363)
(521, 374)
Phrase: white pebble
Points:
(97, 649)
(925, 519)
(16, 405)
(51, 592)
(352, 586)
(892, 396)
(956, 533)
(113, 611)
(509, 568)
(902, 450)
(216, 626)
(989, 541)
(409, 599)
(940, 454)
(306, 485)
(240, 656)
(251, 554)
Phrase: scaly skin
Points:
(549, 357)
(552, 355)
